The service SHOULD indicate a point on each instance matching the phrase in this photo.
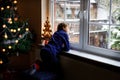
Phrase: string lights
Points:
(13, 31)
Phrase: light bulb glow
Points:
(10, 22)
(11, 30)
(2, 8)
(27, 29)
(4, 26)
(5, 36)
(15, 2)
(1, 62)
(15, 19)
(14, 30)
(18, 29)
(20, 36)
(9, 19)
(8, 7)
(9, 47)
(16, 41)
(15, 8)
(3, 50)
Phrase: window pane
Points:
(68, 11)
(98, 35)
(59, 11)
(99, 11)
(99, 23)
(115, 37)
(115, 29)
(104, 25)
(72, 10)
(116, 11)
(74, 32)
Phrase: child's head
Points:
(62, 26)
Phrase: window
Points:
(94, 25)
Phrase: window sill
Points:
(94, 60)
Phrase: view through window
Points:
(104, 24)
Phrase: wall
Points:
(79, 70)
(30, 9)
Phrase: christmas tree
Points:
(47, 32)
(15, 36)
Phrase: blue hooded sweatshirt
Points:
(59, 42)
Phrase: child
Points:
(58, 43)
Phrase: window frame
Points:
(96, 50)
(84, 26)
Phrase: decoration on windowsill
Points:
(15, 36)
(47, 32)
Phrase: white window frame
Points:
(83, 46)
(100, 51)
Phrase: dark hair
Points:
(61, 26)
